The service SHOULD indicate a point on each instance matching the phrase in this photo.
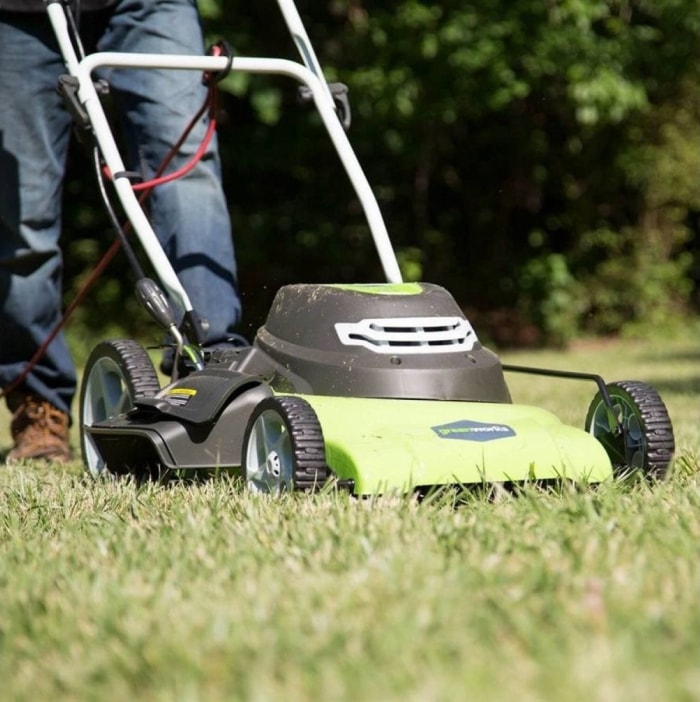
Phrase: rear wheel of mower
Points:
(116, 373)
(645, 441)
(283, 447)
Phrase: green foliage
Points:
(634, 281)
(642, 272)
(551, 297)
(411, 263)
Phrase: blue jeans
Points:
(189, 215)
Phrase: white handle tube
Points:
(292, 69)
(57, 17)
(310, 75)
(303, 43)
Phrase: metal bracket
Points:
(339, 93)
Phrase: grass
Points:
(201, 592)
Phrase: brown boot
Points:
(39, 430)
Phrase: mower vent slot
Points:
(409, 334)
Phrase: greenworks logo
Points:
(466, 430)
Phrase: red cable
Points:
(184, 170)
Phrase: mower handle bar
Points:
(321, 96)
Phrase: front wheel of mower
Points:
(283, 447)
(639, 434)
(116, 373)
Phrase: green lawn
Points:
(201, 592)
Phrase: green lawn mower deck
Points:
(378, 388)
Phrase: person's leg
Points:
(34, 135)
(189, 215)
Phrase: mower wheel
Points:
(283, 447)
(639, 434)
(116, 373)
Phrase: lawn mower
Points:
(376, 387)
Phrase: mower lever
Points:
(67, 88)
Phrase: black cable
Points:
(126, 244)
(74, 26)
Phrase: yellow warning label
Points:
(182, 391)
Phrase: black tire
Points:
(116, 373)
(646, 442)
(283, 447)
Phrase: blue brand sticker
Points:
(466, 430)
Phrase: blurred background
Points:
(540, 159)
